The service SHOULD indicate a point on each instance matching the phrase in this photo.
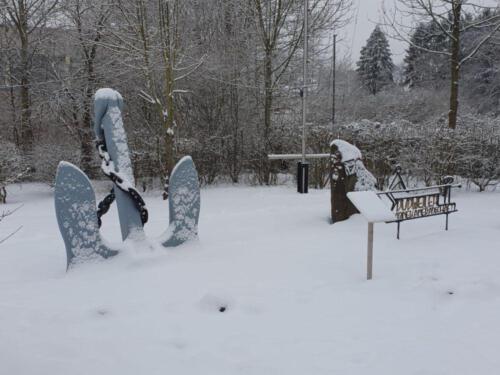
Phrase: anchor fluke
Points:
(76, 214)
(184, 204)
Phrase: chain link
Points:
(121, 182)
(104, 206)
(165, 186)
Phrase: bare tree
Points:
(280, 30)
(3, 215)
(27, 18)
(154, 39)
(448, 16)
(224, 28)
(12, 168)
(86, 22)
(8, 64)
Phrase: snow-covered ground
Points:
(294, 289)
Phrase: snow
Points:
(293, 286)
(371, 206)
(123, 162)
(348, 151)
(365, 179)
(351, 158)
(180, 162)
(107, 93)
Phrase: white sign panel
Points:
(371, 206)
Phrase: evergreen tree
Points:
(482, 75)
(420, 65)
(375, 65)
(412, 73)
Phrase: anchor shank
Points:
(108, 122)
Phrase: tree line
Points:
(219, 80)
(205, 74)
(453, 38)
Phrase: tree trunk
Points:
(85, 126)
(268, 104)
(26, 131)
(268, 99)
(168, 118)
(86, 151)
(3, 195)
(167, 26)
(235, 157)
(455, 65)
(9, 81)
(86, 136)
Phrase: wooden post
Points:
(369, 268)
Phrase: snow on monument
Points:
(79, 219)
(347, 173)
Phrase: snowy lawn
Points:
(293, 286)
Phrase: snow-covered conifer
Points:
(421, 66)
(375, 65)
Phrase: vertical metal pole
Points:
(369, 264)
(398, 229)
(304, 80)
(447, 221)
(302, 176)
(334, 83)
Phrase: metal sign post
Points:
(369, 262)
(374, 211)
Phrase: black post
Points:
(302, 177)
(447, 201)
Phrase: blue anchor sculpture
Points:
(75, 202)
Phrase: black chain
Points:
(105, 204)
(139, 204)
(165, 186)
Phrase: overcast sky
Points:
(367, 14)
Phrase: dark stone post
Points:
(341, 182)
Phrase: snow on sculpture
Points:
(109, 131)
(75, 203)
(76, 216)
(184, 203)
(347, 173)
